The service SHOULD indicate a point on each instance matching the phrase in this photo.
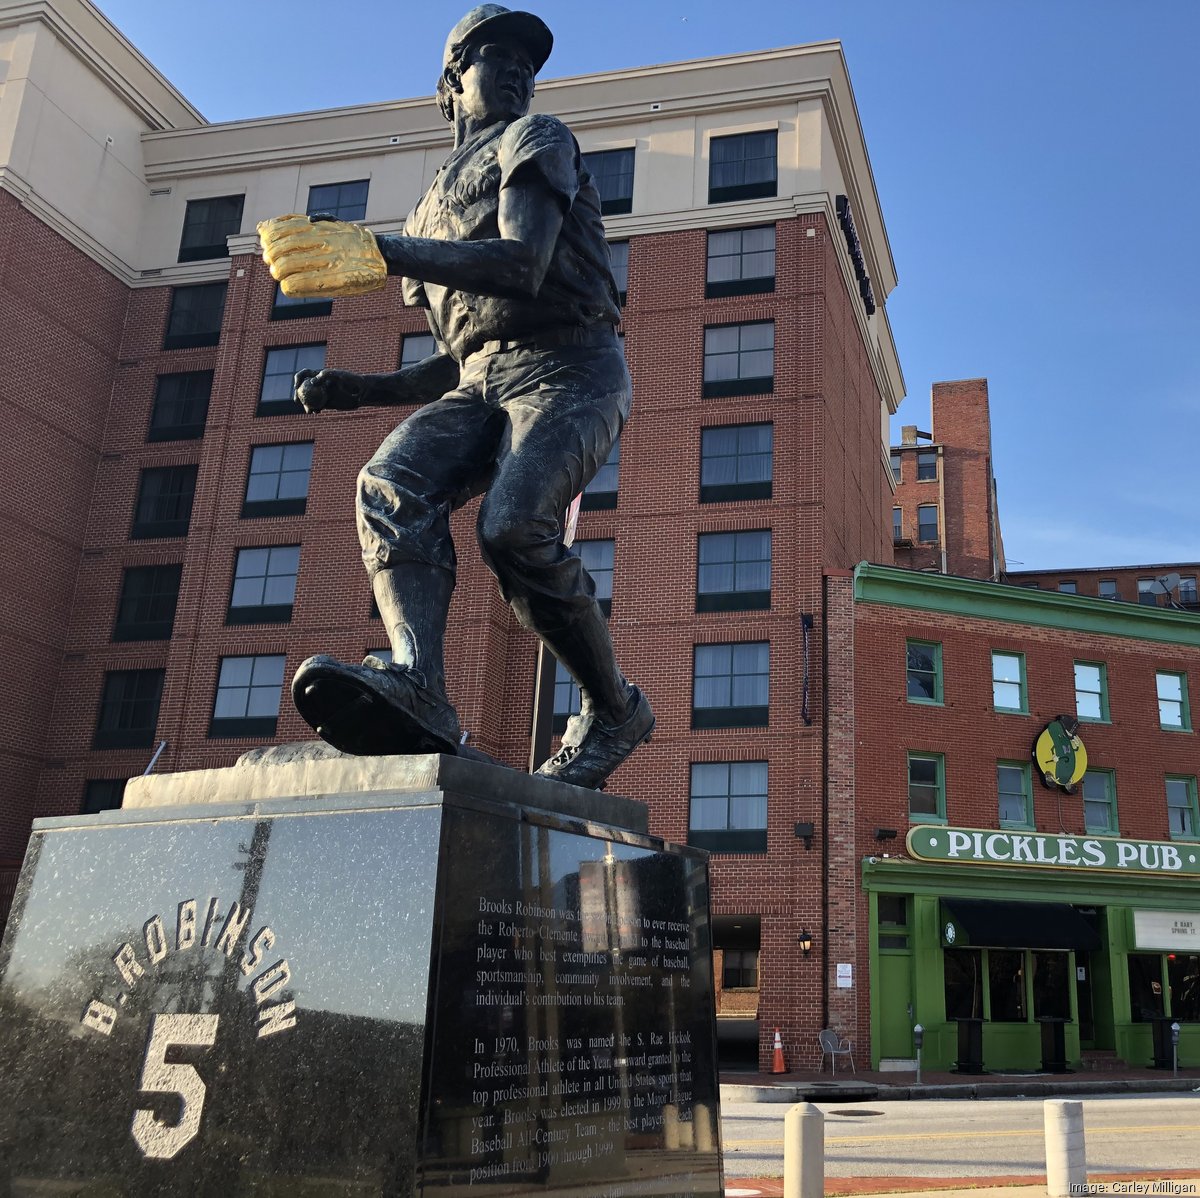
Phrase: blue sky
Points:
(1037, 165)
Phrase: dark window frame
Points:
(211, 224)
(744, 599)
(154, 598)
(205, 305)
(184, 393)
(737, 491)
(315, 204)
(729, 716)
(162, 527)
(232, 728)
(730, 838)
(619, 200)
(253, 509)
(743, 284)
(285, 308)
(260, 613)
(286, 406)
(759, 188)
(758, 384)
(102, 794)
(595, 500)
(115, 726)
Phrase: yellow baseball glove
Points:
(321, 259)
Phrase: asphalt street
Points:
(967, 1138)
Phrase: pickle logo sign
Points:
(1060, 755)
(197, 930)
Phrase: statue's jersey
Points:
(463, 204)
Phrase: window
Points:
(1099, 801)
(618, 256)
(248, 691)
(566, 697)
(927, 522)
(897, 526)
(1173, 711)
(597, 558)
(180, 406)
(346, 201)
(893, 921)
(1145, 595)
(1183, 820)
(1091, 691)
(1145, 987)
(896, 460)
(729, 807)
(963, 983)
(416, 347)
(730, 685)
(742, 167)
(739, 359)
(128, 709)
(1068, 587)
(164, 502)
(286, 307)
(735, 462)
(734, 571)
(1015, 794)
(612, 172)
(384, 655)
(1008, 682)
(146, 609)
(1187, 589)
(1183, 986)
(264, 585)
(279, 369)
(206, 225)
(601, 492)
(278, 480)
(195, 316)
(924, 671)
(102, 794)
(739, 969)
(1107, 588)
(926, 788)
(927, 462)
(740, 262)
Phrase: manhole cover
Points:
(855, 1114)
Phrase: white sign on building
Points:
(1169, 930)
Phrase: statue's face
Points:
(497, 81)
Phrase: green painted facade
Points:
(916, 973)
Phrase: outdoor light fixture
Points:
(885, 833)
(805, 832)
(805, 939)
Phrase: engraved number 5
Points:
(157, 1140)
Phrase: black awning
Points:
(989, 923)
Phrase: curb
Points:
(1024, 1088)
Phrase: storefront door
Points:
(895, 1007)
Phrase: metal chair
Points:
(833, 1046)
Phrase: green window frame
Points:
(1183, 814)
(1174, 714)
(923, 672)
(1009, 692)
(1014, 794)
(926, 788)
(1091, 692)
(1100, 801)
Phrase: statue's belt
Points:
(595, 334)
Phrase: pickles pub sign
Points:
(1093, 854)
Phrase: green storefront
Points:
(1018, 951)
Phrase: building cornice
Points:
(948, 594)
(99, 44)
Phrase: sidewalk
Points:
(866, 1085)
(1167, 1183)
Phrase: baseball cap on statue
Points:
(493, 21)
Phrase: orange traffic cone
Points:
(777, 1065)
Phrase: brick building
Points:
(205, 546)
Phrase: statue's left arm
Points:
(538, 161)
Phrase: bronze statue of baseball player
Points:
(523, 401)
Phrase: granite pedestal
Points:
(358, 977)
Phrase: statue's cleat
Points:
(374, 709)
(592, 749)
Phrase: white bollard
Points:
(1066, 1156)
(803, 1152)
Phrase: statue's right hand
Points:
(321, 259)
(316, 390)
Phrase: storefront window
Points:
(1006, 985)
(1183, 976)
(964, 983)
(1051, 999)
(1145, 986)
